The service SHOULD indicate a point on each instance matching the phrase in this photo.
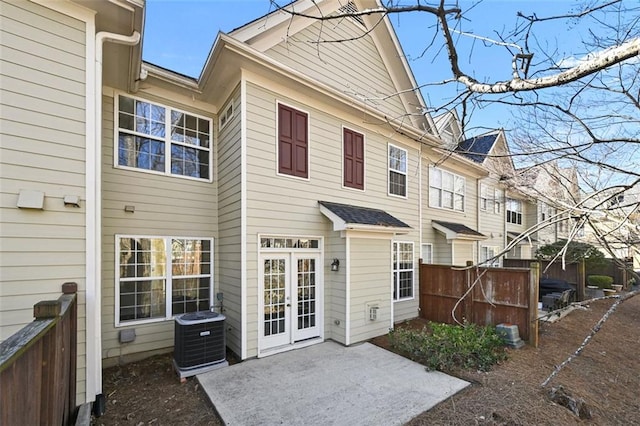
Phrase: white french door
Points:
(291, 290)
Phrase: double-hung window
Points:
(497, 201)
(159, 277)
(446, 190)
(402, 270)
(397, 171)
(293, 142)
(546, 211)
(487, 256)
(162, 140)
(514, 211)
(484, 196)
(353, 159)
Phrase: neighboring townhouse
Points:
(616, 214)
(519, 209)
(450, 209)
(491, 151)
(551, 193)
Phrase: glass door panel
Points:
(306, 279)
(276, 302)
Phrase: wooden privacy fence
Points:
(38, 365)
(499, 295)
(573, 273)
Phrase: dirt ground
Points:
(606, 376)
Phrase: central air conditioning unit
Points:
(200, 343)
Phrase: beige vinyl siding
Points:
(228, 244)
(463, 252)
(289, 206)
(442, 249)
(354, 67)
(370, 283)
(164, 206)
(42, 148)
(334, 286)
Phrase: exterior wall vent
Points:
(351, 8)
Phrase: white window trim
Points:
(168, 277)
(225, 116)
(520, 211)
(464, 193)
(495, 262)
(413, 270)
(167, 139)
(497, 201)
(277, 122)
(485, 199)
(430, 260)
(364, 170)
(405, 173)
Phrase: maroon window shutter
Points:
(353, 159)
(292, 142)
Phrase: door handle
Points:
(288, 305)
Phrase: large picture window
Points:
(397, 171)
(514, 211)
(159, 277)
(402, 270)
(353, 159)
(446, 190)
(163, 140)
(293, 142)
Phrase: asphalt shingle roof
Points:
(363, 215)
(477, 148)
(459, 228)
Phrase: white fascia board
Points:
(377, 228)
(338, 223)
(171, 77)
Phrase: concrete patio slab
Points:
(326, 384)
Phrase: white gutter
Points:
(94, 205)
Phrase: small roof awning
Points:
(524, 240)
(457, 231)
(347, 217)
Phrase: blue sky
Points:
(179, 35)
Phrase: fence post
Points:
(582, 277)
(468, 300)
(534, 280)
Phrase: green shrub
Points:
(602, 281)
(446, 346)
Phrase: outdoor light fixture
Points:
(335, 265)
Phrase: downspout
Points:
(478, 222)
(420, 212)
(94, 308)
